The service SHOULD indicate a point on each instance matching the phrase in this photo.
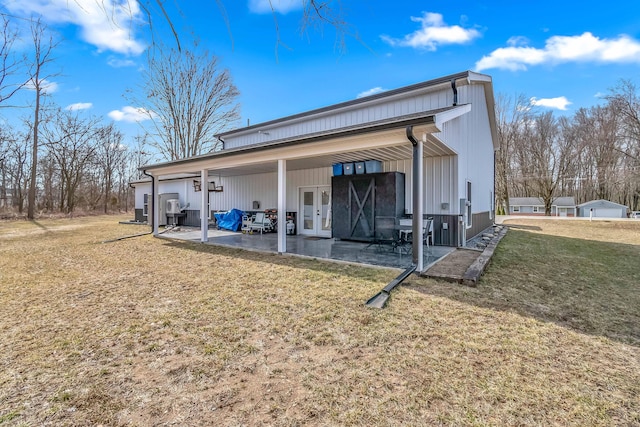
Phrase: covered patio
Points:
(374, 254)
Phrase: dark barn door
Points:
(359, 201)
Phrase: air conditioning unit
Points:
(173, 206)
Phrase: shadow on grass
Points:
(588, 286)
(34, 222)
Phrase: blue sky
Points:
(562, 55)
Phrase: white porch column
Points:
(204, 206)
(418, 205)
(282, 206)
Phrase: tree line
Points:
(61, 160)
(590, 155)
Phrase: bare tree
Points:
(625, 101)
(512, 116)
(9, 63)
(43, 45)
(71, 141)
(110, 154)
(315, 14)
(545, 156)
(188, 99)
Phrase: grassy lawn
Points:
(149, 331)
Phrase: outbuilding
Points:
(602, 209)
(352, 169)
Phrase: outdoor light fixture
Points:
(212, 187)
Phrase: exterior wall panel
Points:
(338, 119)
(141, 190)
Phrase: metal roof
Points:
(601, 203)
(364, 100)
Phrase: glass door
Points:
(315, 207)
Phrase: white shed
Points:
(602, 209)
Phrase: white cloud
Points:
(433, 32)
(558, 49)
(559, 102)
(280, 6)
(371, 91)
(131, 114)
(119, 63)
(79, 106)
(46, 86)
(106, 24)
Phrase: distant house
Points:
(602, 209)
(560, 206)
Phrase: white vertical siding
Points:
(470, 136)
(140, 191)
(240, 191)
(439, 184)
(330, 120)
(305, 178)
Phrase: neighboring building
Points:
(560, 206)
(438, 139)
(602, 209)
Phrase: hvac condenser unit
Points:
(173, 206)
(163, 205)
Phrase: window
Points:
(468, 204)
(536, 209)
(145, 206)
(515, 208)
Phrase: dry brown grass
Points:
(148, 331)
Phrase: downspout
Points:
(417, 254)
(153, 198)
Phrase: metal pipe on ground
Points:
(379, 300)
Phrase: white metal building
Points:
(440, 134)
(602, 209)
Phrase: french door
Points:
(315, 211)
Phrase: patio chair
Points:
(262, 223)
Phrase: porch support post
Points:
(282, 206)
(417, 192)
(204, 206)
